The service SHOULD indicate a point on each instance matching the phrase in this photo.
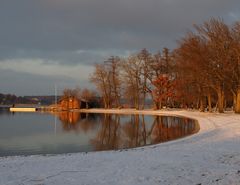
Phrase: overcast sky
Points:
(47, 42)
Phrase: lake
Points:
(69, 132)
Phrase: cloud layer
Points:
(83, 32)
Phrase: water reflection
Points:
(108, 136)
(113, 131)
(170, 128)
(4, 111)
(67, 132)
(77, 122)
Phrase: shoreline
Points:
(211, 156)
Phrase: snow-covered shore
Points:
(211, 156)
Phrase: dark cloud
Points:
(72, 32)
(85, 57)
(68, 25)
(21, 83)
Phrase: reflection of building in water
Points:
(69, 117)
(69, 120)
(77, 121)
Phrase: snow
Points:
(211, 156)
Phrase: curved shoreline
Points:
(211, 156)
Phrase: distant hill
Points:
(9, 99)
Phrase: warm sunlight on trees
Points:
(209, 57)
(163, 91)
(107, 80)
(132, 78)
(205, 69)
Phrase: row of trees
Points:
(9, 99)
(202, 72)
(135, 79)
(209, 61)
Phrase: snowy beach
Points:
(212, 156)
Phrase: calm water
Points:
(66, 132)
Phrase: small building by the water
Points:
(71, 102)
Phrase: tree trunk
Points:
(160, 104)
(237, 108)
(105, 99)
(144, 97)
(209, 97)
(234, 101)
(220, 94)
(136, 102)
(144, 133)
(201, 105)
(156, 105)
(198, 103)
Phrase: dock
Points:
(21, 109)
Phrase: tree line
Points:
(10, 99)
(203, 72)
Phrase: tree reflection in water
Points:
(112, 131)
(135, 132)
(108, 136)
(170, 128)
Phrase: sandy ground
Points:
(211, 156)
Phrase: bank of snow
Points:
(210, 157)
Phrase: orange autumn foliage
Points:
(163, 89)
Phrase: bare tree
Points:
(132, 78)
(191, 61)
(205, 67)
(144, 58)
(234, 70)
(72, 93)
(113, 68)
(205, 55)
(217, 36)
(107, 80)
(101, 79)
